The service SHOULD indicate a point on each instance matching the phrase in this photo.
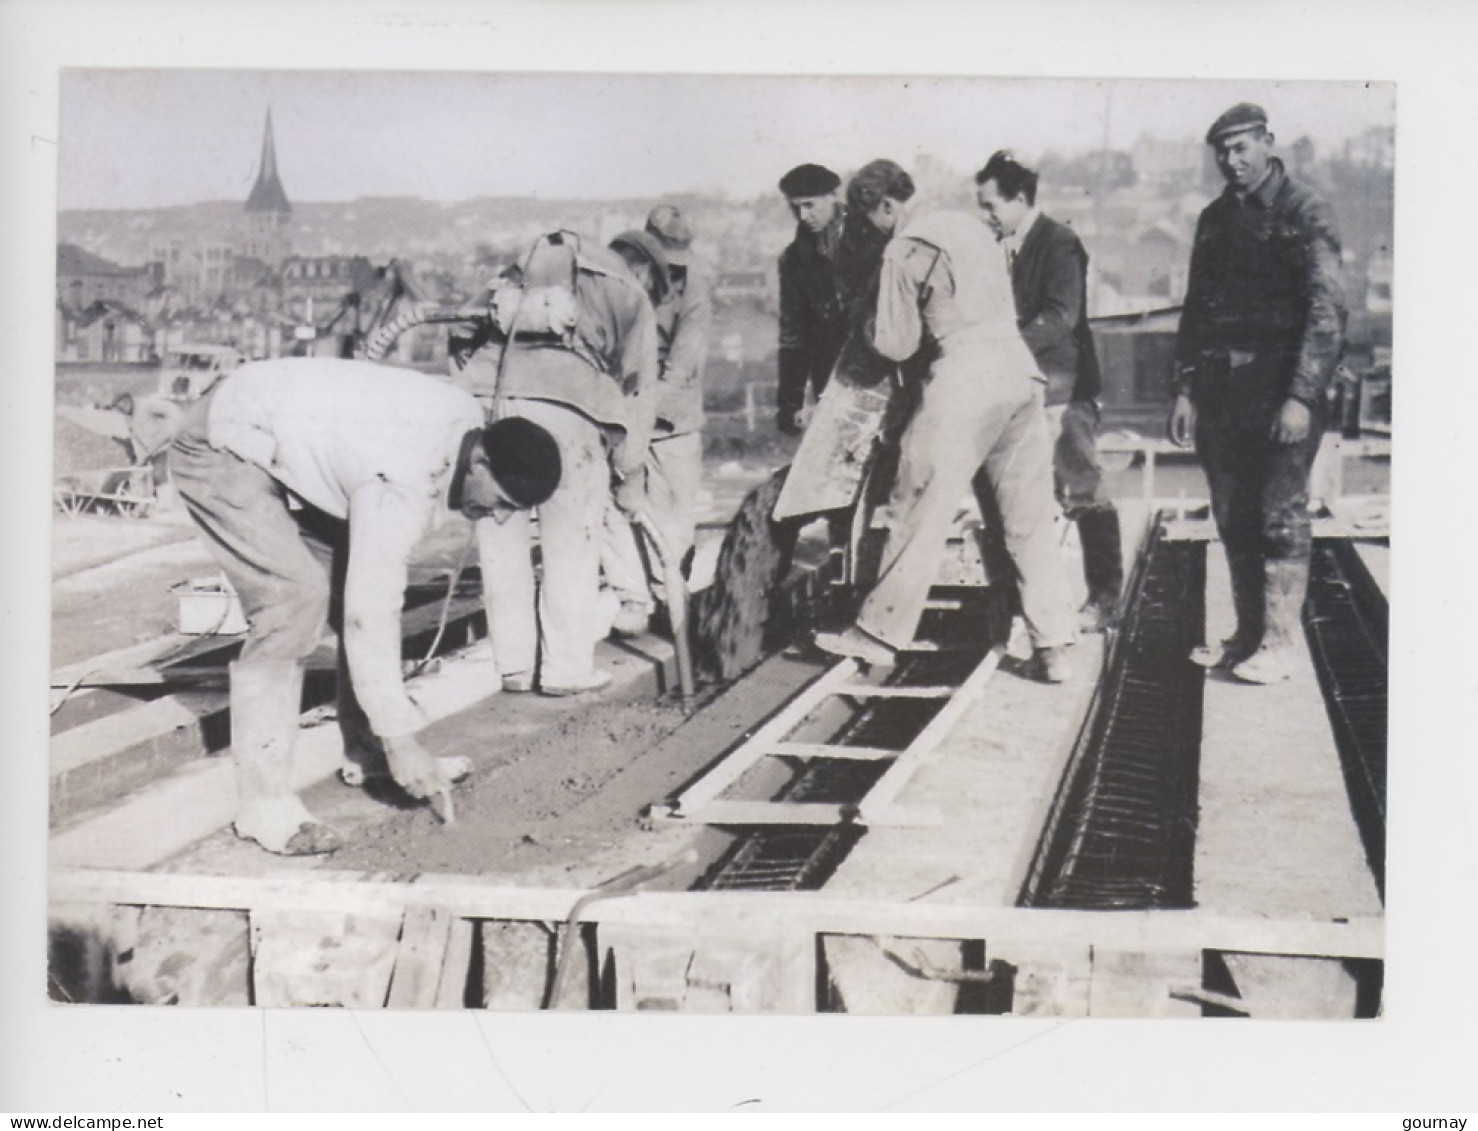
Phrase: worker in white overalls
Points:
(575, 351)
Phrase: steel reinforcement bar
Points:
(1345, 620)
(1121, 833)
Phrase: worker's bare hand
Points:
(1292, 425)
(1182, 423)
(414, 769)
(631, 493)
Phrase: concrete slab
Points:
(1275, 836)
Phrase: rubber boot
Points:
(1103, 567)
(1247, 602)
(1286, 585)
(265, 699)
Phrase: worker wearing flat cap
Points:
(312, 479)
(580, 360)
(813, 321)
(1260, 337)
(674, 467)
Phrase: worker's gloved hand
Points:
(630, 493)
(414, 769)
(1182, 423)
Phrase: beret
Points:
(523, 458)
(809, 180)
(1242, 116)
(671, 229)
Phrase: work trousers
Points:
(1259, 488)
(286, 563)
(550, 625)
(286, 560)
(1077, 474)
(1078, 478)
(674, 471)
(972, 419)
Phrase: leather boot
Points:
(266, 696)
(1103, 567)
(1287, 583)
(1247, 602)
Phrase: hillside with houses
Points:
(270, 275)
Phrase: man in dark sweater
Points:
(1260, 337)
(1049, 271)
(813, 323)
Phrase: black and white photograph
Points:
(734, 542)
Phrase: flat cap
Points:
(1242, 116)
(809, 180)
(671, 229)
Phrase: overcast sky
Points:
(146, 138)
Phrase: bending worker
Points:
(577, 355)
(1259, 339)
(312, 480)
(944, 290)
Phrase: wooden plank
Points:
(200, 797)
(451, 989)
(424, 938)
(866, 691)
(722, 812)
(886, 790)
(832, 750)
(754, 748)
(1353, 936)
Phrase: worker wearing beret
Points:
(1260, 337)
(312, 479)
(813, 323)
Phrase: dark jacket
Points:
(813, 320)
(1049, 281)
(1265, 279)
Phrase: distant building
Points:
(83, 279)
(106, 331)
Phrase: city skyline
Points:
(138, 139)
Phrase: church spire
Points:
(268, 195)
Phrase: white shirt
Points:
(370, 444)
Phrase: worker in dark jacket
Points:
(813, 323)
(1049, 275)
(1260, 337)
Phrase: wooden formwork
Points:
(448, 942)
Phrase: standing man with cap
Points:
(813, 323)
(579, 358)
(312, 480)
(1260, 337)
(944, 291)
(1049, 281)
(674, 469)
